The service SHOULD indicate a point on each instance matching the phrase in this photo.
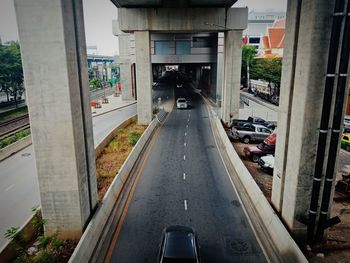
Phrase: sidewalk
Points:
(113, 104)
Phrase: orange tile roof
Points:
(266, 42)
(276, 35)
(280, 23)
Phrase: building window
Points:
(254, 40)
(164, 48)
(183, 47)
(202, 42)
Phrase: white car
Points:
(267, 163)
(347, 121)
(181, 103)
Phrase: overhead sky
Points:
(98, 16)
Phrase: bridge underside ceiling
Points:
(168, 3)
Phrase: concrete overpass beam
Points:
(143, 76)
(302, 89)
(55, 73)
(182, 19)
(232, 74)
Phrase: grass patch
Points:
(115, 154)
(14, 138)
(10, 114)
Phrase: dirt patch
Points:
(263, 180)
(114, 155)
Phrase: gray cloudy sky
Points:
(98, 21)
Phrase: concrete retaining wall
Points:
(15, 147)
(278, 245)
(7, 252)
(95, 241)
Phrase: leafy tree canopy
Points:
(11, 72)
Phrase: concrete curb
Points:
(95, 241)
(15, 147)
(118, 108)
(278, 244)
(25, 142)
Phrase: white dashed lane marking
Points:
(184, 176)
(184, 157)
(185, 203)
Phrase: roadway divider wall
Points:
(93, 245)
(277, 243)
(15, 147)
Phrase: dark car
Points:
(179, 244)
(255, 152)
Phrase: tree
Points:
(11, 72)
(248, 58)
(270, 71)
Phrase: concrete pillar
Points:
(143, 76)
(303, 79)
(232, 74)
(125, 66)
(286, 99)
(55, 73)
(220, 66)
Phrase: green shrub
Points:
(45, 256)
(16, 239)
(13, 138)
(38, 222)
(134, 136)
(22, 134)
(156, 110)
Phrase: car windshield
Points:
(261, 146)
(181, 100)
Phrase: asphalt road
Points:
(19, 188)
(184, 181)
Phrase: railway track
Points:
(14, 125)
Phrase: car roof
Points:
(180, 242)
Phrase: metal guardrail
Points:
(96, 95)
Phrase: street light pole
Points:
(248, 76)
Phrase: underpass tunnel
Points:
(186, 61)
